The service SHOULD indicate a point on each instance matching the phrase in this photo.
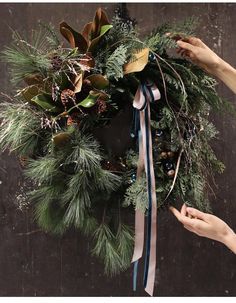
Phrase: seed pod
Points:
(164, 155)
(171, 173)
(170, 154)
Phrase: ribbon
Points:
(145, 94)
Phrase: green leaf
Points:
(105, 28)
(45, 101)
(90, 100)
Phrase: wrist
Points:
(230, 240)
(221, 68)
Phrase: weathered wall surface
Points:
(33, 263)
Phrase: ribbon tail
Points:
(135, 274)
(139, 219)
(150, 262)
(139, 235)
(139, 215)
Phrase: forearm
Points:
(230, 241)
(226, 73)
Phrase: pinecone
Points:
(101, 106)
(67, 95)
(56, 62)
(23, 161)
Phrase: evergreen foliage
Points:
(20, 128)
(115, 62)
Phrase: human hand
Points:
(205, 225)
(198, 52)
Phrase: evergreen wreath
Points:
(70, 97)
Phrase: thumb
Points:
(186, 45)
(196, 213)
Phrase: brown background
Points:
(33, 263)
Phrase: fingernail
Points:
(179, 42)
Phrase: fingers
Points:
(183, 210)
(182, 52)
(196, 213)
(196, 224)
(181, 218)
(173, 36)
(196, 41)
(175, 212)
(186, 45)
(192, 40)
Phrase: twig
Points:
(29, 232)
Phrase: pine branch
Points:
(105, 249)
(125, 243)
(24, 139)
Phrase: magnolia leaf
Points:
(33, 79)
(99, 20)
(29, 92)
(98, 81)
(75, 39)
(78, 83)
(61, 139)
(86, 30)
(103, 17)
(140, 61)
(87, 61)
(90, 100)
(45, 101)
(104, 29)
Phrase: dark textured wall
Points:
(33, 263)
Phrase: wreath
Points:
(76, 129)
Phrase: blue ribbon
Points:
(135, 274)
(135, 124)
(148, 240)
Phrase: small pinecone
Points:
(67, 95)
(23, 160)
(101, 106)
(56, 62)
